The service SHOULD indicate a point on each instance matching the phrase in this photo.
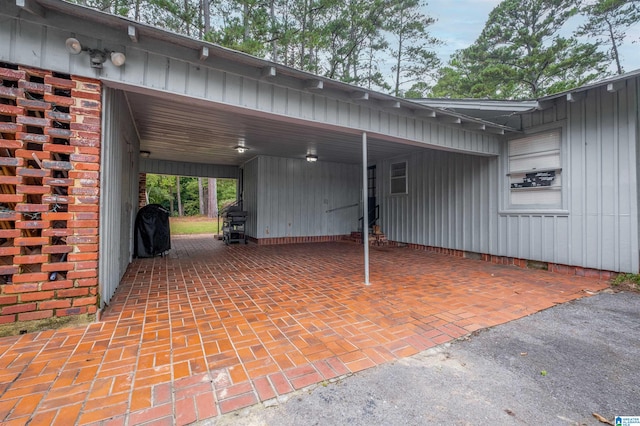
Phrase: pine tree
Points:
(607, 22)
(411, 51)
(521, 54)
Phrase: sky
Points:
(461, 21)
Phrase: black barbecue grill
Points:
(233, 227)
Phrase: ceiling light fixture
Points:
(145, 154)
(241, 148)
(97, 57)
(312, 158)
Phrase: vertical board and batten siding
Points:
(450, 201)
(599, 229)
(461, 202)
(118, 192)
(287, 197)
(537, 234)
(178, 168)
(250, 189)
(175, 70)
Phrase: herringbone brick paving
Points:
(211, 329)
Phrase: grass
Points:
(193, 225)
(631, 281)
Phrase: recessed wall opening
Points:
(193, 207)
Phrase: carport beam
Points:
(365, 208)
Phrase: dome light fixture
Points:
(311, 158)
(241, 149)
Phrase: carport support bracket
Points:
(365, 208)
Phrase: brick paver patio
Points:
(211, 329)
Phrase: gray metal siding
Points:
(293, 197)
(600, 227)
(250, 191)
(636, 175)
(449, 201)
(177, 168)
(118, 192)
(461, 202)
(151, 65)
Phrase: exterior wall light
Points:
(97, 57)
(312, 158)
(73, 46)
(241, 149)
(117, 58)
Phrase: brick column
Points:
(142, 190)
(49, 193)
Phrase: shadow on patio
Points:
(211, 329)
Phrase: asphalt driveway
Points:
(555, 367)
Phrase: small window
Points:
(535, 173)
(399, 178)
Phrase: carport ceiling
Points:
(199, 132)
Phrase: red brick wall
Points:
(521, 263)
(49, 191)
(142, 190)
(297, 240)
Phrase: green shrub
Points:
(633, 279)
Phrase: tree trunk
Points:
(136, 15)
(171, 207)
(186, 19)
(398, 64)
(213, 197)
(614, 48)
(200, 18)
(274, 41)
(201, 196)
(178, 196)
(303, 35)
(399, 58)
(245, 23)
(206, 11)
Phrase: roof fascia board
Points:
(615, 81)
(480, 104)
(31, 6)
(616, 86)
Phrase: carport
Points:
(188, 106)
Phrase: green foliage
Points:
(633, 279)
(344, 40)
(226, 191)
(607, 22)
(245, 26)
(520, 54)
(414, 61)
(161, 189)
(353, 39)
(189, 196)
(417, 91)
